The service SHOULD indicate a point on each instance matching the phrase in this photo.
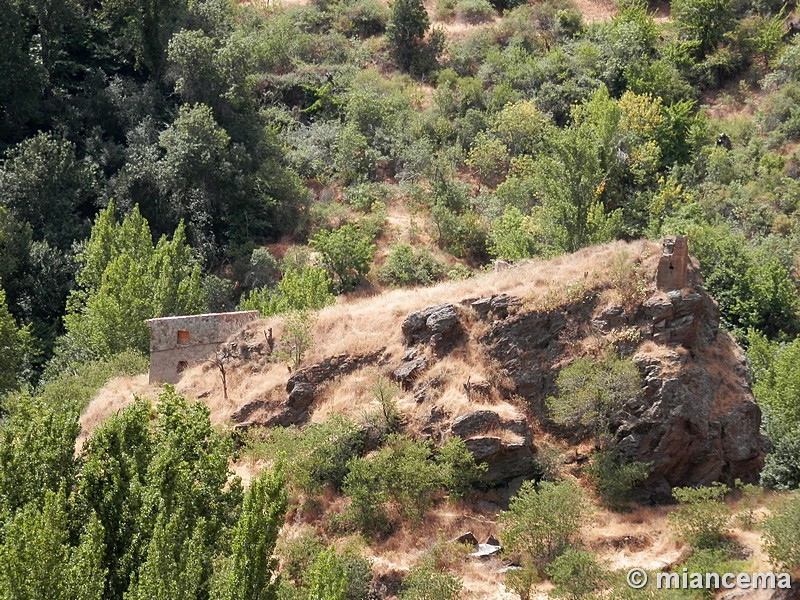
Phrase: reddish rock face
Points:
(696, 420)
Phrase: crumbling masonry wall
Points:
(673, 265)
(179, 342)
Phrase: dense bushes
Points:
(405, 266)
(400, 481)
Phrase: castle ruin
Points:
(178, 342)
(673, 265)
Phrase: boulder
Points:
(505, 460)
(408, 372)
(436, 325)
(467, 538)
(693, 424)
(475, 422)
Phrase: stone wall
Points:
(179, 342)
(673, 264)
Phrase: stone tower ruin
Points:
(178, 342)
(673, 265)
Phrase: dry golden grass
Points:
(641, 538)
(112, 398)
(366, 324)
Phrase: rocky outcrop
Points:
(503, 444)
(300, 391)
(696, 420)
(694, 423)
(493, 307)
(410, 369)
(437, 326)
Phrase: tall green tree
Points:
(571, 180)
(408, 24)
(703, 22)
(14, 344)
(125, 279)
(113, 475)
(250, 572)
(37, 449)
(45, 184)
(37, 560)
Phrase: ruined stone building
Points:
(178, 342)
(673, 265)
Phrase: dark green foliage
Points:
(782, 534)
(615, 478)
(408, 24)
(591, 391)
(576, 574)
(405, 266)
(44, 184)
(542, 521)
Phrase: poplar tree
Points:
(125, 279)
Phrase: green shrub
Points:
(474, 11)
(782, 534)
(522, 580)
(364, 18)
(318, 453)
(444, 9)
(385, 417)
(298, 290)
(425, 582)
(701, 518)
(751, 495)
(399, 481)
(614, 478)
(405, 266)
(782, 465)
(460, 473)
(488, 156)
(542, 520)
(298, 553)
(591, 391)
(511, 236)
(346, 254)
(576, 574)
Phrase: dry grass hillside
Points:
(364, 325)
